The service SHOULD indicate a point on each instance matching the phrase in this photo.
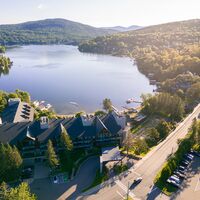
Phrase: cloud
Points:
(41, 6)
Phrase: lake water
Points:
(61, 74)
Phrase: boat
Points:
(74, 103)
(131, 100)
(42, 105)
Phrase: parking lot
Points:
(191, 185)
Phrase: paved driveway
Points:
(41, 171)
(46, 190)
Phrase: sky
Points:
(100, 13)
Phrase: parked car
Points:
(27, 172)
(175, 178)
(189, 156)
(188, 159)
(193, 152)
(55, 179)
(181, 171)
(185, 163)
(174, 183)
(182, 168)
(179, 174)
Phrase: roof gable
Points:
(111, 124)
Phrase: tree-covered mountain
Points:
(49, 31)
(165, 50)
(162, 36)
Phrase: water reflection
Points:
(60, 74)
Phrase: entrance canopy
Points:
(109, 154)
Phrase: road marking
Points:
(123, 187)
(197, 185)
(120, 194)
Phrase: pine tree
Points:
(22, 192)
(66, 141)
(51, 156)
(11, 163)
(65, 156)
(4, 193)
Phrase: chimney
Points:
(44, 123)
(13, 101)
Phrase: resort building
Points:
(31, 137)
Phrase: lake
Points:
(60, 74)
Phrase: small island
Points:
(5, 62)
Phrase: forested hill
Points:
(165, 50)
(49, 31)
(163, 36)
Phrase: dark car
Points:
(181, 170)
(185, 163)
(136, 182)
(189, 157)
(27, 173)
(193, 152)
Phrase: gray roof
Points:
(14, 132)
(18, 112)
(111, 124)
(54, 130)
(99, 125)
(110, 154)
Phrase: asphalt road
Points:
(148, 167)
(46, 190)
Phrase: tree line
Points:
(164, 104)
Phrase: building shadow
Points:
(46, 189)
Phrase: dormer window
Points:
(44, 123)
